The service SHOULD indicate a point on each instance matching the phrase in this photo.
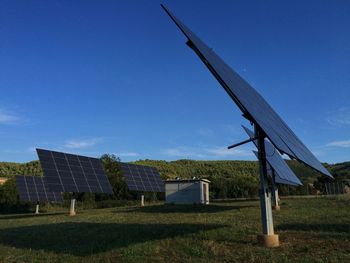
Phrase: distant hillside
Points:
(248, 169)
(191, 168)
(12, 169)
(228, 178)
(341, 169)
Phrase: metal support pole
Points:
(37, 209)
(274, 191)
(268, 238)
(72, 207)
(142, 200)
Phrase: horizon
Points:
(90, 78)
(195, 160)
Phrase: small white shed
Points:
(190, 191)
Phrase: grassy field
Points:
(311, 230)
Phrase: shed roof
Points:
(186, 181)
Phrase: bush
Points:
(9, 200)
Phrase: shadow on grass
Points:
(186, 208)
(238, 200)
(82, 239)
(30, 215)
(335, 228)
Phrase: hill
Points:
(228, 178)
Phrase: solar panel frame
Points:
(34, 189)
(142, 178)
(67, 172)
(250, 102)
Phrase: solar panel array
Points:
(33, 189)
(142, 178)
(284, 175)
(251, 103)
(73, 173)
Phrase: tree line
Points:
(229, 179)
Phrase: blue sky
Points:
(94, 77)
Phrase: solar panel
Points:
(33, 189)
(278, 178)
(250, 102)
(270, 172)
(142, 178)
(73, 173)
(282, 171)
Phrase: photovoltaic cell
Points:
(73, 173)
(33, 189)
(251, 103)
(284, 175)
(142, 178)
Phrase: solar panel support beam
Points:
(274, 191)
(241, 143)
(268, 237)
(72, 207)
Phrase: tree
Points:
(115, 177)
(9, 200)
(8, 192)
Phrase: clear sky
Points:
(94, 77)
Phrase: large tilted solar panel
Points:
(73, 173)
(282, 171)
(33, 189)
(142, 178)
(251, 103)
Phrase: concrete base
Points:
(268, 240)
(142, 201)
(276, 207)
(37, 209)
(72, 207)
(72, 213)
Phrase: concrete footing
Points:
(72, 213)
(72, 208)
(142, 201)
(268, 240)
(37, 209)
(276, 207)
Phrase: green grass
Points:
(311, 230)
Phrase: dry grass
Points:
(311, 230)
